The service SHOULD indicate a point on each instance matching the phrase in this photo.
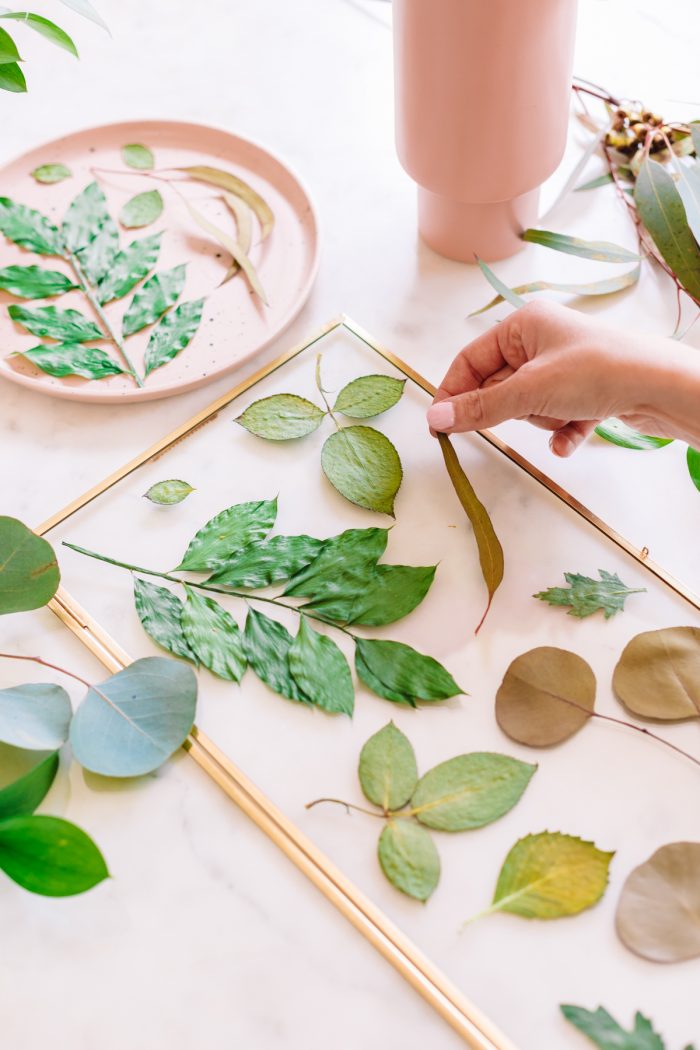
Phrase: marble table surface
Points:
(206, 934)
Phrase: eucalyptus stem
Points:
(61, 670)
(348, 806)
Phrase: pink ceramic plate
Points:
(235, 324)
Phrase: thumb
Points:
(484, 407)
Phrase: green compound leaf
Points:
(227, 533)
(50, 856)
(131, 723)
(605, 287)
(549, 875)
(603, 251)
(173, 333)
(27, 227)
(33, 282)
(363, 465)
(51, 173)
(158, 294)
(267, 645)
(73, 359)
(129, 267)
(268, 561)
(470, 791)
(35, 716)
(282, 417)
(168, 493)
(12, 79)
(28, 791)
(585, 596)
(214, 636)
(8, 49)
(67, 326)
(29, 573)
(53, 33)
(397, 672)
(409, 859)
(607, 1034)
(141, 210)
(138, 156)
(160, 612)
(369, 396)
(321, 671)
(345, 566)
(618, 433)
(693, 461)
(392, 593)
(388, 772)
(661, 209)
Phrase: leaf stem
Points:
(348, 807)
(46, 663)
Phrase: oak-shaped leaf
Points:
(29, 228)
(50, 856)
(658, 674)
(604, 1031)
(227, 533)
(470, 791)
(34, 282)
(282, 417)
(321, 671)
(35, 716)
(157, 294)
(51, 173)
(138, 156)
(398, 672)
(129, 267)
(619, 433)
(174, 332)
(267, 645)
(585, 596)
(73, 359)
(160, 612)
(268, 561)
(547, 695)
(141, 210)
(168, 493)
(66, 326)
(27, 791)
(387, 770)
(409, 859)
(363, 465)
(214, 636)
(369, 396)
(29, 573)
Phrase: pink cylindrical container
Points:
(482, 103)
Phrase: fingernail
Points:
(441, 415)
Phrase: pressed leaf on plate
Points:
(607, 1034)
(603, 251)
(244, 226)
(25, 793)
(50, 173)
(214, 636)
(585, 596)
(28, 227)
(661, 209)
(227, 181)
(138, 156)
(398, 672)
(604, 287)
(34, 282)
(72, 359)
(129, 267)
(658, 674)
(388, 772)
(470, 791)
(369, 396)
(233, 248)
(227, 533)
(66, 326)
(29, 573)
(160, 612)
(157, 294)
(267, 645)
(321, 671)
(546, 696)
(409, 859)
(618, 433)
(50, 856)
(268, 561)
(172, 334)
(141, 210)
(35, 716)
(282, 417)
(167, 493)
(363, 465)
(85, 217)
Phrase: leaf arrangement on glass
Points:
(604, 1031)
(585, 596)
(11, 76)
(344, 584)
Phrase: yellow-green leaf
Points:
(603, 251)
(227, 181)
(50, 173)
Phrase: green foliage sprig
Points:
(585, 596)
(604, 1031)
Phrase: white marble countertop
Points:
(206, 934)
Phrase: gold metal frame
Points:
(477, 1031)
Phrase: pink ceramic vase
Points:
(482, 103)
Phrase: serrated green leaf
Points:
(72, 359)
(607, 1034)
(585, 596)
(605, 287)
(388, 772)
(321, 671)
(12, 79)
(138, 156)
(160, 612)
(85, 8)
(172, 334)
(33, 282)
(470, 791)
(26, 226)
(25, 793)
(267, 645)
(129, 267)
(35, 716)
(167, 493)
(29, 573)
(158, 294)
(409, 859)
(504, 292)
(227, 533)
(8, 49)
(363, 465)
(214, 636)
(369, 396)
(52, 32)
(141, 210)
(603, 251)
(401, 670)
(268, 561)
(51, 173)
(661, 210)
(282, 417)
(618, 433)
(50, 856)
(131, 723)
(341, 571)
(693, 461)
(67, 326)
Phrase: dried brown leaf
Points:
(658, 674)
(227, 181)
(546, 696)
(232, 247)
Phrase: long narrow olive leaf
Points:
(689, 189)
(45, 27)
(244, 225)
(661, 210)
(603, 251)
(233, 248)
(606, 287)
(227, 181)
(490, 549)
(503, 290)
(593, 184)
(12, 78)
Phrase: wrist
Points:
(664, 385)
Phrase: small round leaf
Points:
(388, 772)
(138, 156)
(546, 696)
(409, 859)
(658, 674)
(282, 417)
(50, 173)
(141, 210)
(363, 465)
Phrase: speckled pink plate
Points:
(235, 324)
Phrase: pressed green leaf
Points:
(138, 156)
(607, 1034)
(368, 396)
(167, 493)
(470, 790)
(363, 465)
(267, 645)
(658, 674)
(282, 417)
(618, 433)
(233, 247)
(50, 173)
(8, 49)
(172, 334)
(35, 716)
(158, 294)
(73, 359)
(549, 875)
(131, 723)
(693, 461)
(345, 566)
(388, 772)
(29, 573)
(85, 8)
(604, 251)
(33, 282)
(141, 210)
(214, 636)
(227, 181)
(27, 792)
(160, 612)
(661, 210)
(85, 217)
(409, 859)
(605, 287)
(12, 79)
(227, 533)
(487, 542)
(392, 593)
(504, 292)
(129, 267)
(593, 184)
(26, 226)
(268, 561)
(375, 684)
(67, 326)
(585, 596)
(53, 33)
(403, 671)
(50, 856)
(321, 671)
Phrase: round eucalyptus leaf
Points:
(29, 573)
(546, 696)
(658, 674)
(363, 465)
(409, 859)
(35, 716)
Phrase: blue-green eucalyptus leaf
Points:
(409, 858)
(603, 251)
(50, 856)
(661, 210)
(35, 716)
(504, 292)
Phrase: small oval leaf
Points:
(282, 417)
(470, 791)
(141, 210)
(168, 493)
(369, 396)
(409, 859)
(138, 156)
(50, 856)
(388, 772)
(363, 465)
(50, 173)
(604, 251)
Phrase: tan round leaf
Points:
(658, 674)
(547, 695)
(658, 915)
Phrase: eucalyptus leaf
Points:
(504, 292)
(85, 8)
(131, 723)
(138, 156)
(363, 465)
(321, 671)
(593, 184)
(50, 856)
(129, 267)
(67, 326)
(267, 645)
(398, 670)
(57, 36)
(388, 772)
(585, 596)
(282, 417)
(268, 561)
(26, 226)
(141, 210)
(158, 294)
(604, 287)
(214, 637)
(369, 396)
(29, 573)
(661, 210)
(658, 674)
(35, 716)
(409, 859)
(227, 181)
(688, 186)
(12, 79)
(618, 433)
(50, 173)
(8, 49)
(160, 612)
(33, 282)
(234, 249)
(167, 493)
(27, 792)
(607, 1034)
(73, 359)
(172, 334)
(227, 533)
(342, 570)
(470, 791)
(693, 461)
(603, 251)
